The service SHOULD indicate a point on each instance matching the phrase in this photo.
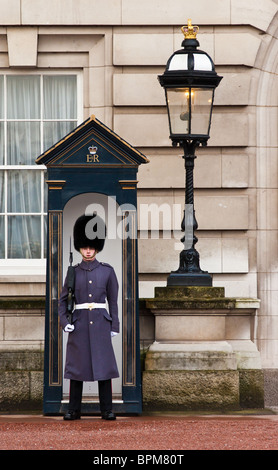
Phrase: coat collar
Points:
(89, 265)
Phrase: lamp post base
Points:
(189, 272)
(189, 279)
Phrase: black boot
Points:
(108, 415)
(105, 399)
(73, 412)
(71, 415)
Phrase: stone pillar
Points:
(203, 356)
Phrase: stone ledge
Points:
(209, 355)
(185, 292)
(203, 355)
(206, 304)
(13, 303)
(173, 299)
(21, 360)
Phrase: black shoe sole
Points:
(71, 418)
(109, 418)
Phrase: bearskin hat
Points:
(89, 230)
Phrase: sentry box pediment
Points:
(92, 167)
(92, 144)
(92, 158)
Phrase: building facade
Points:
(62, 61)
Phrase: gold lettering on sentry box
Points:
(92, 157)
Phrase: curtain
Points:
(59, 97)
(1, 97)
(24, 236)
(59, 102)
(23, 142)
(2, 219)
(2, 148)
(40, 111)
(24, 231)
(54, 131)
(2, 144)
(23, 97)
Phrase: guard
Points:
(90, 355)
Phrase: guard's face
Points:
(88, 253)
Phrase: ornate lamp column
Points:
(189, 81)
(203, 350)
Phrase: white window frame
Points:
(14, 266)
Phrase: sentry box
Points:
(93, 170)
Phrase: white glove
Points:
(113, 333)
(69, 328)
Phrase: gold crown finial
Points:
(189, 31)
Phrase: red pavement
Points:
(164, 432)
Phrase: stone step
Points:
(189, 292)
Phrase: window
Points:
(35, 112)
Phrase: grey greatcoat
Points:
(90, 354)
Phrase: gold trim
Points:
(55, 184)
(129, 376)
(189, 31)
(124, 306)
(128, 184)
(86, 165)
(52, 215)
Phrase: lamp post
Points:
(189, 81)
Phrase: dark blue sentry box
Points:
(92, 169)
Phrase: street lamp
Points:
(189, 81)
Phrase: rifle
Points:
(71, 284)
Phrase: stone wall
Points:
(21, 353)
(21, 381)
(21, 368)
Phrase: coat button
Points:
(90, 295)
(90, 282)
(91, 322)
